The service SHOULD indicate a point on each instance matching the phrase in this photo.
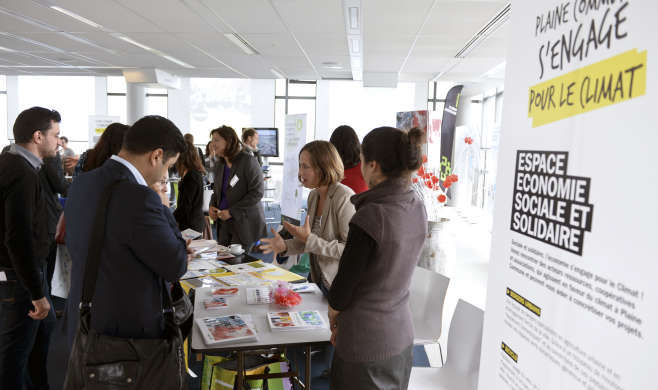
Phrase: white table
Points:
(266, 338)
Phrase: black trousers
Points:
(23, 341)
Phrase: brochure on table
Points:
(572, 300)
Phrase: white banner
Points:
(292, 193)
(97, 125)
(572, 297)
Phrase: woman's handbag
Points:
(102, 362)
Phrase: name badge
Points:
(234, 180)
(3, 276)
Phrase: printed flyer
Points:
(572, 301)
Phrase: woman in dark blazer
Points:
(189, 210)
(236, 201)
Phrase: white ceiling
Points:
(416, 38)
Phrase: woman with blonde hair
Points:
(324, 232)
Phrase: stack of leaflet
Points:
(259, 295)
(296, 320)
(214, 303)
(225, 329)
(250, 267)
(241, 279)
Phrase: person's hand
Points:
(213, 213)
(333, 324)
(224, 215)
(299, 232)
(41, 309)
(190, 251)
(274, 245)
(69, 163)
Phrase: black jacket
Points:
(142, 246)
(22, 222)
(248, 218)
(53, 183)
(189, 210)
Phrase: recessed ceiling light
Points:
(133, 42)
(241, 43)
(277, 74)
(154, 51)
(331, 65)
(76, 16)
(176, 61)
(354, 18)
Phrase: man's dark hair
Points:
(32, 120)
(154, 132)
(346, 141)
(246, 133)
(63, 138)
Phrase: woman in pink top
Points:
(346, 141)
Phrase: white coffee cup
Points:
(235, 248)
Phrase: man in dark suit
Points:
(25, 309)
(142, 244)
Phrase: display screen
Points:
(268, 141)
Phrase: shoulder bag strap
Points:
(95, 248)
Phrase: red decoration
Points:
(421, 172)
(441, 198)
(424, 159)
(468, 140)
(428, 184)
(415, 180)
(435, 179)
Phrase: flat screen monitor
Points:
(268, 141)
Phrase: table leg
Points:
(240, 375)
(308, 367)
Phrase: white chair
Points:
(462, 367)
(427, 294)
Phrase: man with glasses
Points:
(26, 316)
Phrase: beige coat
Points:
(326, 248)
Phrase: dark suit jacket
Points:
(142, 246)
(248, 218)
(189, 210)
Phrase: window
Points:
(4, 135)
(367, 108)
(72, 96)
(117, 103)
(293, 97)
(233, 102)
(156, 102)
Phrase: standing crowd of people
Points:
(364, 231)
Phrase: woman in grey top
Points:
(324, 232)
(369, 298)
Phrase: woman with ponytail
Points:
(369, 298)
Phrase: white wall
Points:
(178, 105)
(348, 102)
